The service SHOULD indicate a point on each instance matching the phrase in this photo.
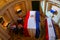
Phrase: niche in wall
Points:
(4, 20)
(36, 5)
(20, 8)
(1, 20)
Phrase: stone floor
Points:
(42, 35)
(21, 37)
(42, 32)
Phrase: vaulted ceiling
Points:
(4, 3)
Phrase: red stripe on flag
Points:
(47, 36)
(25, 24)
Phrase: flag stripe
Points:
(37, 24)
(47, 36)
(51, 32)
(32, 23)
(25, 24)
(54, 30)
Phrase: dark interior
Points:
(1, 20)
(35, 5)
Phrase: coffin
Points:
(31, 24)
(50, 30)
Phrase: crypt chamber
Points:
(29, 19)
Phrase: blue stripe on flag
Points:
(54, 30)
(37, 24)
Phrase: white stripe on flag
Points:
(51, 32)
(32, 23)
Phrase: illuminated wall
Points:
(56, 18)
(43, 5)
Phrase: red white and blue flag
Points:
(31, 24)
(50, 30)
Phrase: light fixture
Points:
(18, 9)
